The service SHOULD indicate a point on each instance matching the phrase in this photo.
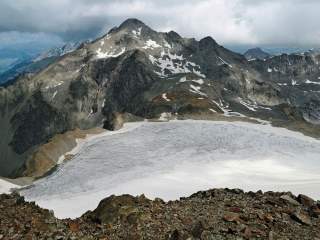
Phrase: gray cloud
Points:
(290, 22)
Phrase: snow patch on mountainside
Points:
(224, 62)
(175, 64)
(252, 106)
(151, 44)
(111, 54)
(137, 33)
(164, 96)
(311, 82)
(199, 81)
(196, 90)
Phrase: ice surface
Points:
(178, 158)
(5, 186)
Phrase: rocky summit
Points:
(214, 214)
(134, 71)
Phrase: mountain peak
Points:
(174, 35)
(255, 49)
(132, 23)
(256, 53)
(208, 42)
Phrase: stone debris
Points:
(213, 214)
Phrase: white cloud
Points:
(228, 21)
(285, 22)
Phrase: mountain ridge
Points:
(137, 71)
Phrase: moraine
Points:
(174, 159)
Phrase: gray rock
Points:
(301, 217)
(306, 201)
(290, 200)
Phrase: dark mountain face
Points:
(298, 77)
(256, 53)
(134, 69)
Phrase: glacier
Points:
(177, 158)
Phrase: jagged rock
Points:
(235, 190)
(301, 217)
(232, 217)
(197, 230)
(207, 235)
(305, 200)
(271, 235)
(175, 235)
(315, 211)
(268, 217)
(247, 234)
(290, 200)
(111, 208)
(115, 122)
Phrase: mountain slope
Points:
(298, 77)
(134, 69)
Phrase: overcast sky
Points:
(251, 22)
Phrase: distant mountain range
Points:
(138, 72)
(26, 64)
(11, 57)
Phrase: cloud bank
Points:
(281, 22)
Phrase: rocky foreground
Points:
(213, 214)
